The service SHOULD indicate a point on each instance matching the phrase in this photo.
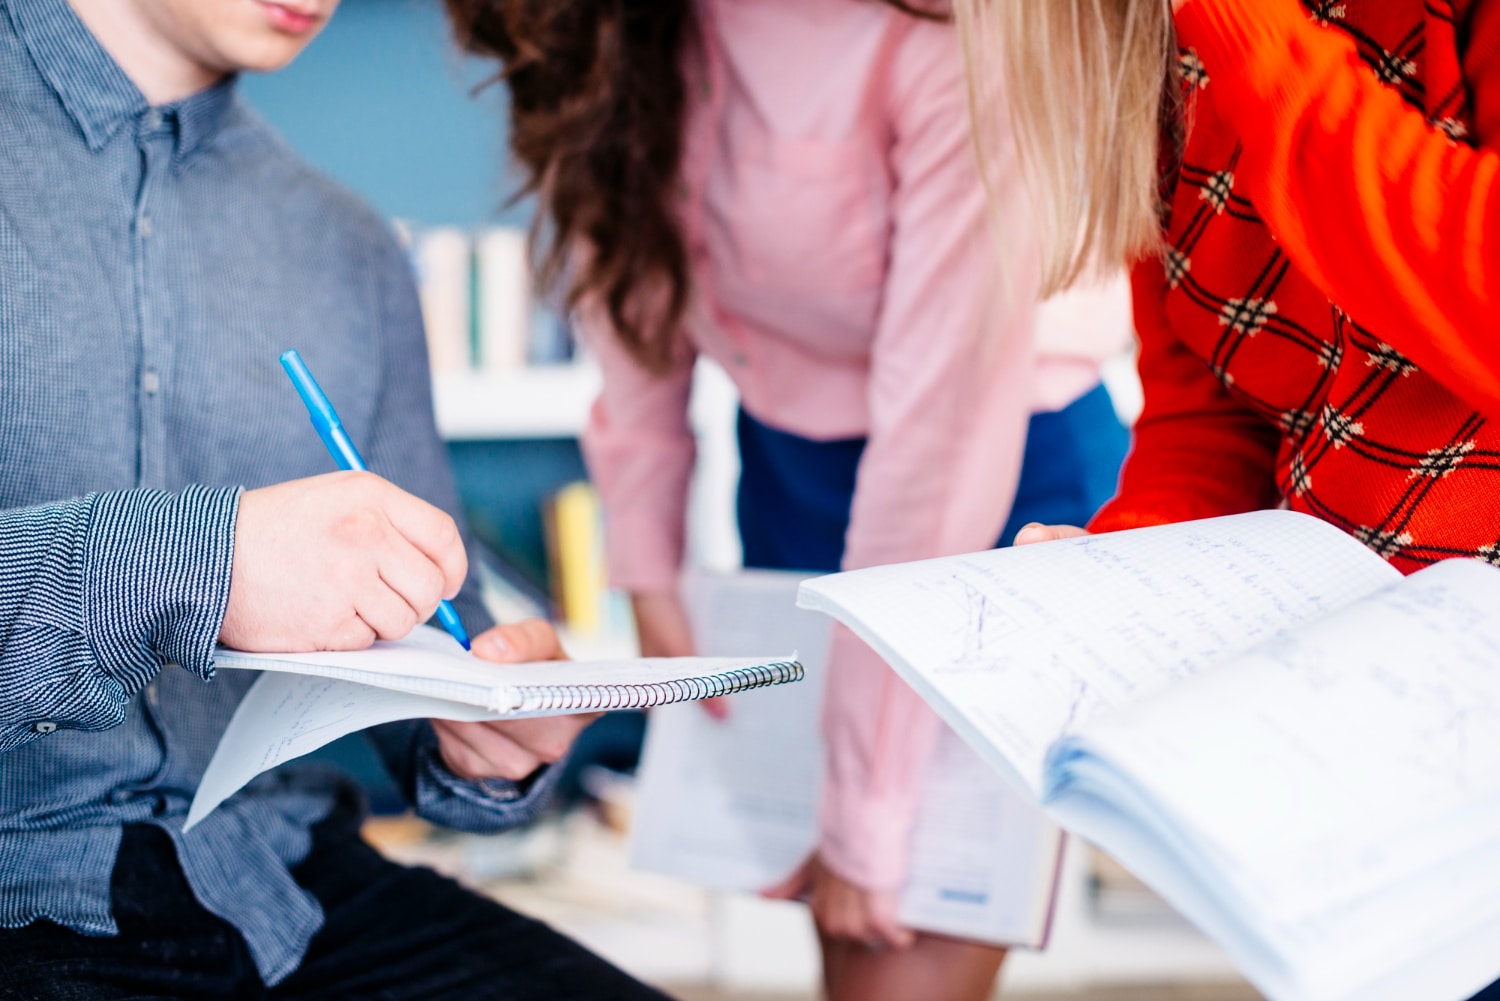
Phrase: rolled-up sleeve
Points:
(98, 593)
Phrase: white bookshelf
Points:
(553, 401)
(542, 401)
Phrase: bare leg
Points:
(934, 969)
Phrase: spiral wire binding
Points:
(543, 698)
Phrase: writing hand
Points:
(335, 562)
(510, 749)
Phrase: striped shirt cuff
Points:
(156, 580)
(482, 806)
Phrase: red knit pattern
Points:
(1367, 441)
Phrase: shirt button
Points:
(45, 726)
(150, 382)
(144, 227)
(121, 796)
(151, 120)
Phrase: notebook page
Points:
(1343, 780)
(1017, 647)
(734, 804)
(284, 716)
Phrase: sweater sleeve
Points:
(1392, 219)
(1196, 452)
(949, 397)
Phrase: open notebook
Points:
(306, 700)
(733, 804)
(1291, 743)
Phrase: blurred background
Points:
(384, 103)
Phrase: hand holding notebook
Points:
(1296, 746)
(306, 700)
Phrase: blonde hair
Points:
(1085, 83)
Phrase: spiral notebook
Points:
(303, 701)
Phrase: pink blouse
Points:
(850, 278)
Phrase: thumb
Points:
(794, 887)
(1037, 532)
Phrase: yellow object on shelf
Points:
(575, 542)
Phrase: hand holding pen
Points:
(335, 562)
(326, 421)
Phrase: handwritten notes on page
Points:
(284, 716)
(1341, 783)
(1017, 647)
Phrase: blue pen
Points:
(326, 420)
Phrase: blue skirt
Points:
(795, 494)
(1490, 993)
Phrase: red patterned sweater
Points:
(1323, 327)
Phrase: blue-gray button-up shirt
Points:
(153, 264)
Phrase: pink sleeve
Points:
(949, 397)
(640, 452)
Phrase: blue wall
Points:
(384, 101)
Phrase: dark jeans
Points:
(391, 933)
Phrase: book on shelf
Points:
(573, 519)
(443, 261)
(302, 701)
(502, 300)
(733, 804)
(1297, 747)
(479, 303)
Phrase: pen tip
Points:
(466, 645)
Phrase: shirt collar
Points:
(96, 93)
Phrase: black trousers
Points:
(392, 933)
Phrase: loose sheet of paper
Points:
(1340, 785)
(284, 716)
(1017, 647)
(734, 804)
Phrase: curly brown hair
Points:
(597, 101)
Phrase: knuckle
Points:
(361, 479)
(362, 527)
(459, 759)
(351, 636)
(445, 530)
(519, 766)
(396, 624)
(429, 588)
(552, 748)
